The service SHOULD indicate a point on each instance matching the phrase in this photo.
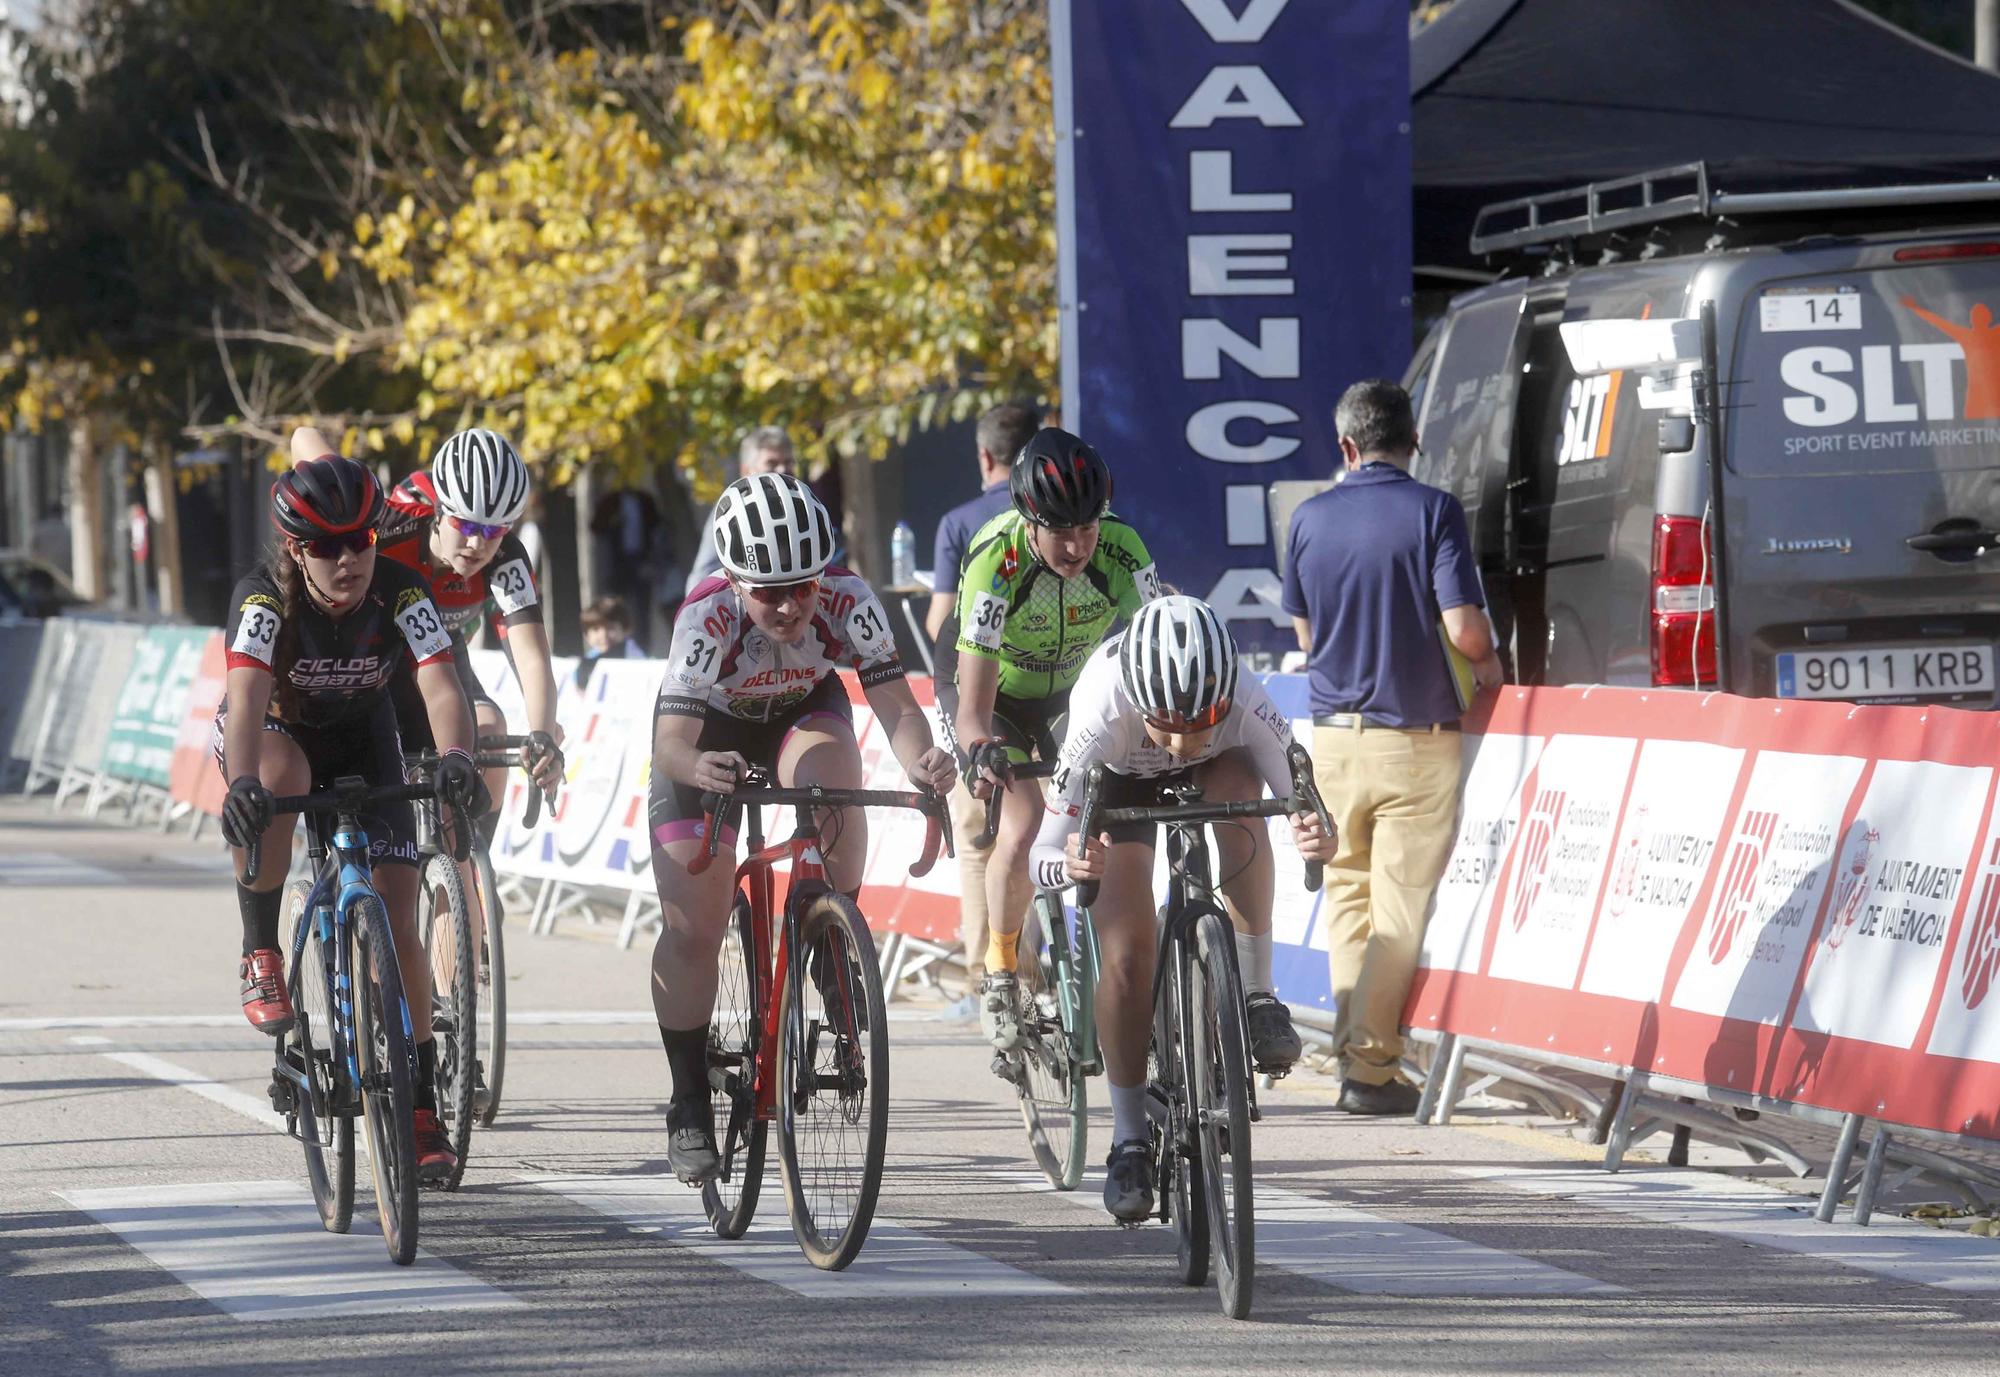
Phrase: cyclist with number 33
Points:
(316, 640)
(750, 681)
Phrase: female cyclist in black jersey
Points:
(318, 634)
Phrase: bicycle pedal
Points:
(1008, 1069)
(284, 1095)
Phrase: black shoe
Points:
(1128, 1182)
(691, 1142)
(1381, 1101)
(1274, 1043)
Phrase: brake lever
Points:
(1305, 788)
(252, 854)
(534, 811)
(1086, 826)
(932, 834)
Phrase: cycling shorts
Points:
(1030, 728)
(370, 749)
(673, 810)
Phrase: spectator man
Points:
(999, 436)
(1375, 565)
(767, 449)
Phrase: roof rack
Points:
(1682, 192)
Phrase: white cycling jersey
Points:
(721, 662)
(1105, 728)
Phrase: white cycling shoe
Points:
(1000, 1010)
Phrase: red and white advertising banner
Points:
(192, 776)
(1799, 900)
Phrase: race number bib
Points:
(512, 586)
(868, 632)
(1147, 581)
(989, 618)
(256, 633)
(693, 661)
(423, 630)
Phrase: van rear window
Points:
(1895, 370)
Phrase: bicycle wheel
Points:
(833, 1081)
(1179, 1166)
(493, 984)
(446, 926)
(1220, 1080)
(735, 1033)
(1054, 1103)
(329, 1143)
(388, 1074)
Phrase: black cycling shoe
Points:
(1128, 1181)
(691, 1142)
(1274, 1043)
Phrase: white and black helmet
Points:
(478, 476)
(769, 528)
(1178, 663)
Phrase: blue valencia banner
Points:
(1234, 219)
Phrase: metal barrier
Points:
(27, 654)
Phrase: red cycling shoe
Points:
(265, 1001)
(435, 1159)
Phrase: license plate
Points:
(1933, 673)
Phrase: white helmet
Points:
(769, 528)
(478, 476)
(1178, 663)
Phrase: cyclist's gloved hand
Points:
(543, 759)
(984, 758)
(246, 812)
(459, 784)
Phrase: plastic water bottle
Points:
(903, 556)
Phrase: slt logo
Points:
(1536, 843)
(1853, 889)
(1982, 938)
(1739, 881)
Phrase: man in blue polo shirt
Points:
(1380, 574)
(1000, 435)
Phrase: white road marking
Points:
(1740, 1209)
(48, 868)
(896, 1261)
(1349, 1249)
(529, 1018)
(228, 1096)
(256, 1250)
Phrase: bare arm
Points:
(978, 683)
(677, 755)
(1302, 629)
(942, 606)
(247, 691)
(309, 443)
(1472, 636)
(444, 704)
(529, 640)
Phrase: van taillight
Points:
(1683, 603)
(1930, 253)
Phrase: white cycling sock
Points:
(1253, 962)
(1128, 1114)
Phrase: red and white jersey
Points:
(1105, 729)
(721, 661)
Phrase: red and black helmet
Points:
(326, 496)
(1060, 481)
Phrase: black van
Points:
(1802, 500)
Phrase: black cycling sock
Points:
(687, 1061)
(260, 916)
(427, 1065)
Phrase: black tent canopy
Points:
(1516, 97)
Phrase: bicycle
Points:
(495, 752)
(1058, 1048)
(458, 965)
(367, 1062)
(1199, 1094)
(811, 1055)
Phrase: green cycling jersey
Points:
(1040, 626)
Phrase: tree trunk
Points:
(1986, 34)
(588, 480)
(867, 532)
(86, 508)
(163, 507)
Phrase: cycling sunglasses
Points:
(1179, 724)
(333, 547)
(773, 594)
(479, 530)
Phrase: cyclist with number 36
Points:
(1160, 704)
(315, 642)
(750, 681)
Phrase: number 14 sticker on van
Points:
(1808, 308)
(1903, 673)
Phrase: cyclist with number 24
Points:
(1159, 705)
(316, 639)
(750, 681)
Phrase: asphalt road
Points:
(152, 1219)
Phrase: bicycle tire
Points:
(388, 1075)
(735, 1034)
(1179, 1169)
(329, 1146)
(445, 924)
(493, 1008)
(1220, 1079)
(1055, 1104)
(833, 1036)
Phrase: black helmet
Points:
(1058, 480)
(327, 496)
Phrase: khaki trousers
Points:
(1393, 794)
(968, 816)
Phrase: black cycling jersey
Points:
(341, 667)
